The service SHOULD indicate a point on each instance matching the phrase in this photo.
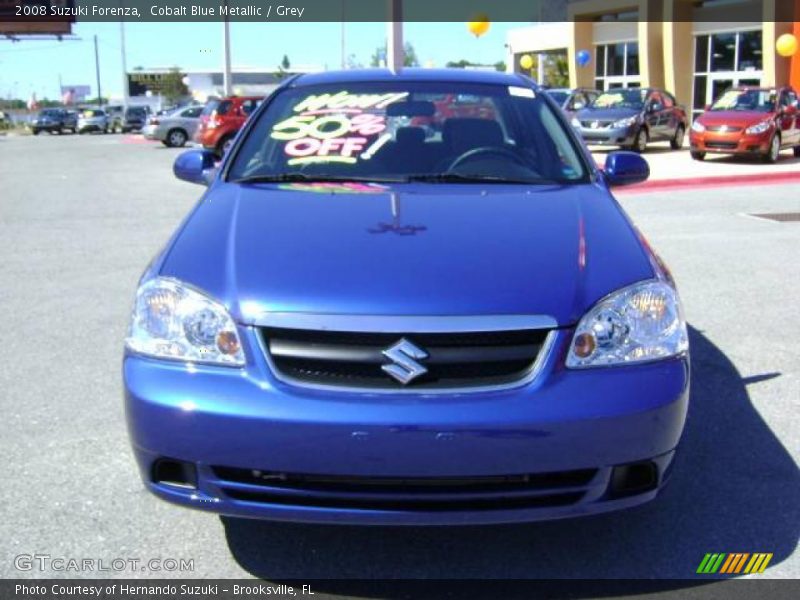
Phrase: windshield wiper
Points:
(301, 177)
(468, 178)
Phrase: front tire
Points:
(796, 150)
(640, 141)
(774, 149)
(676, 143)
(35, 131)
(176, 138)
(698, 155)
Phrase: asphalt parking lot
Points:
(81, 216)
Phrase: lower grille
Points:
(600, 124)
(445, 360)
(403, 493)
(722, 145)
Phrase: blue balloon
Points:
(582, 58)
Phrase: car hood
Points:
(735, 118)
(409, 250)
(605, 114)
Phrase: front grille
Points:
(355, 359)
(405, 493)
(600, 124)
(721, 145)
(724, 128)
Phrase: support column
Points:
(679, 50)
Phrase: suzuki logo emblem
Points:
(404, 356)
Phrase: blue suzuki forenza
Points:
(407, 298)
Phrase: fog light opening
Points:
(635, 478)
(177, 473)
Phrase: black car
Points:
(631, 118)
(54, 120)
(135, 119)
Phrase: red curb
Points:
(718, 181)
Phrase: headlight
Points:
(627, 122)
(758, 127)
(575, 122)
(639, 323)
(698, 127)
(171, 320)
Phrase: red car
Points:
(758, 121)
(221, 120)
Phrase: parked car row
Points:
(745, 120)
(109, 119)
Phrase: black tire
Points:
(176, 138)
(223, 145)
(640, 141)
(35, 131)
(676, 143)
(796, 150)
(774, 150)
(165, 143)
(698, 155)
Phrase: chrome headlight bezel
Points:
(612, 334)
(626, 122)
(758, 128)
(697, 126)
(172, 320)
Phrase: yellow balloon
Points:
(480, 25)
(786, 45)
(526, 61)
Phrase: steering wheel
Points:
(471, 154)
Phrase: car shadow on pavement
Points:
(734, 488)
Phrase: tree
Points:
(410, 59)
(172, 86)
(285, 64)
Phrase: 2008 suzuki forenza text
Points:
(407, 298)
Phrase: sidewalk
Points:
(676, 169)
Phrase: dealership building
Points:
(693, 48)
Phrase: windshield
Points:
(559, 96)
(50, 112)
(405, 131)
(93, 113)
(757, 100)
(621, 98)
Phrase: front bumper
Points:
(220, 420)
(730, 143)
(92, 126)
(620, 136)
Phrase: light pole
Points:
(394, 41)
(97, 72)
(227, 84)
(125, 89)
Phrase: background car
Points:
(572, 100)
(176, 128)
(751, 121)
(116, 115)
(135, 119)
(632, 118)
(222, 120)
(54, 120)
(93, 119)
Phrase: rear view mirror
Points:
(412, 108)
(195, 166)
(624, 168)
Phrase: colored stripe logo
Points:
(734, 563)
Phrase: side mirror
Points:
(195, 166)
(707, 107)
(623, 168)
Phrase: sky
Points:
(34, 66)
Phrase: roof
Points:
(413, 74)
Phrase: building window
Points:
(724, 60)
(617, 65)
